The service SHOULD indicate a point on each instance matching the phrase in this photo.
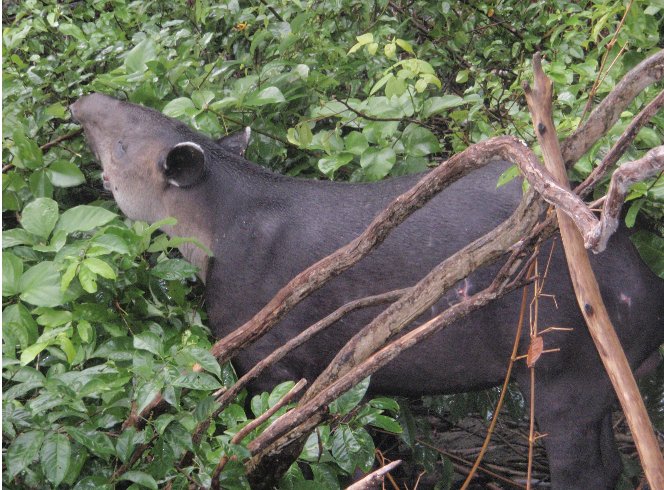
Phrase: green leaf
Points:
(138, 57)
(405, 45)
(269, 95)
(97, 442)
(148, 341)
(329, 165)
(344, 448)
(84, 218)
(147, 393)
(40, 216)
(205, 359)
(64, 174)
(100, 267)
(55, 457)
(23, 451)
(378, 162)
(349, 400)
(651, 249)
(419, 141)
(28, 154)
(174, 269)
(12, 269)
(436, 105)
(33, 351)
(40, 285)
(386, 423)
(140, 478)
(179, 107)
(356, 143)
(197, 381)
(361, 41)
(17, 236)
(74, 31)
(87, 278)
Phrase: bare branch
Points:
(372, 480)
(603, 118)
(621, 145)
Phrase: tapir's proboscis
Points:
(264, 228)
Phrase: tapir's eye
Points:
(119, 150)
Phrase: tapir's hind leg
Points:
(576, 418)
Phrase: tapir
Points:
(264, 228)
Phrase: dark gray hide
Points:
(264, 228)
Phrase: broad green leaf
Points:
(22, 452)
(386, 423)
(179, 107)
(74, 31)
(140, 478)
(33, 351)
(55, 457)
(349, 400)
(344, 447)
(57, 110)
(28, 154)
(405, 45)
(124, 445)
(138, 57)
(17, 236)
(97, 442)
(419, 141)
(40, 216)
(378, 162)
(361, 41)
(279, 391)
(64, 174)
(205, 359)
(40, 285)
(148, 341)
(87, 278)
(147, 393)
(12, 269)
(54, 318)
(329, 165)
(84, 218)
(197, 381)
(651, 249)
(436, 105)
(100, 267)
(269, 95)
(356, 143)
(174, 269)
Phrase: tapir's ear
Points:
(236, 142)
(184, 164)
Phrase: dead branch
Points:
(650, 165)
(605, 115)
(596, 232)
(621, 145)
(587, 290)
(372, 480)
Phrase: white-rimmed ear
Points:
(236, 142)
(184, 164)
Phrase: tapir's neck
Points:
(193, 221)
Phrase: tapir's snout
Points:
(92, 107)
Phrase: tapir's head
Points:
(144, 154)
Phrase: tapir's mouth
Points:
(106, 180)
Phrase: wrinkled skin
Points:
(264, 228)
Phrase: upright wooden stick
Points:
(587, 291)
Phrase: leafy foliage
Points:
(98, 315)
